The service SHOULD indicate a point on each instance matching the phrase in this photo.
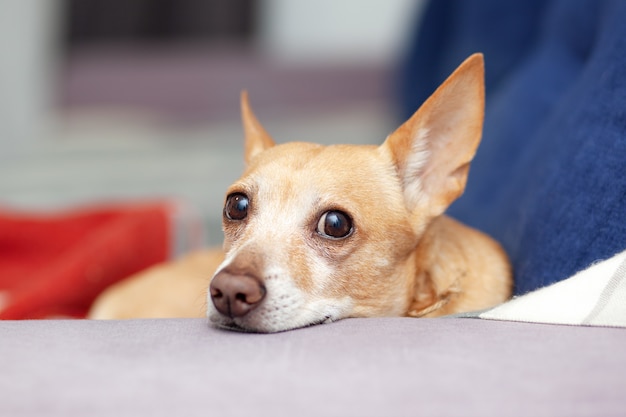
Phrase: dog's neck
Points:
(456, 268)
(440, 269)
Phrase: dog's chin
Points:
(232, 326)
(238, 325)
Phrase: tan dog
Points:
(314, 234)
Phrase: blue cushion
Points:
(549, 179)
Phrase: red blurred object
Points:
(55, 265)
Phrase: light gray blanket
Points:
(355, 367)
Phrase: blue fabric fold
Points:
(549, 179)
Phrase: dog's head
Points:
(317, 233)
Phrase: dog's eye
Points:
(236, 207)
(334, 225)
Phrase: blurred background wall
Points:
(29, 54)
(105, 100)
(181, 56)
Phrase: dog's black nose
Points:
(236, 295)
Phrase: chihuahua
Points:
(315, 233)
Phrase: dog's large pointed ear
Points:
(256, 138)
(432, 150)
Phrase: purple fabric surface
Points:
(357, 367)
